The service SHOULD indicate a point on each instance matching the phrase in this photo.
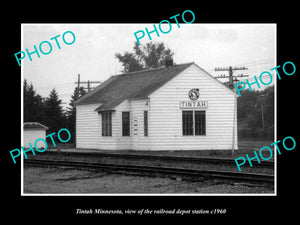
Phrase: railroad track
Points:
(266, 164)
(171, 172)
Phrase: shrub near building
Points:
(256, 114)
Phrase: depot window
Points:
(193, 123)
(125, 124)
(145, 123)
(106, 124)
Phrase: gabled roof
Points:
(135, 85)
(34, 125)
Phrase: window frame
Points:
(106, 119)
(187, 123)
(126, 124)
(146, 116)
(200, 128)
(195, 125)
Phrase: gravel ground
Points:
(149, 162)
(72, 181)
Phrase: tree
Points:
(256, 113)
(78, 93)
(150, 56)
(54, 116)
(33, 104)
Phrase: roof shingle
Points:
(135, 85)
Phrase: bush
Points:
(268, 133)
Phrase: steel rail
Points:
(188, 174)
(267, 164)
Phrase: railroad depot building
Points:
(178, 107)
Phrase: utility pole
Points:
(262, 112)
(231, 69)
(233, 122)
(78, 82)
(86, 82)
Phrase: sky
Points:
(92, 55)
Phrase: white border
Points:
(275, 117)
(22, 111)
(94, 194)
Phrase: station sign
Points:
(193, 105)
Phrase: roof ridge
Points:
(157, 68)
(133, 84)
(142, 71)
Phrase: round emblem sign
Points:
(194, 94)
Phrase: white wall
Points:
(116, 141)
(31, 135)
(88, 127)
(165, 117)
(132, 142)
(139, 141)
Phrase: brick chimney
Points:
(168, 62)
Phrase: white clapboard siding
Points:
(139, 140)
(31, 135)
(165, 116)
(87, 126)
(116, 141)
(132, 142)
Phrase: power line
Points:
(257, 63)
(86, 82)
(231, 69)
